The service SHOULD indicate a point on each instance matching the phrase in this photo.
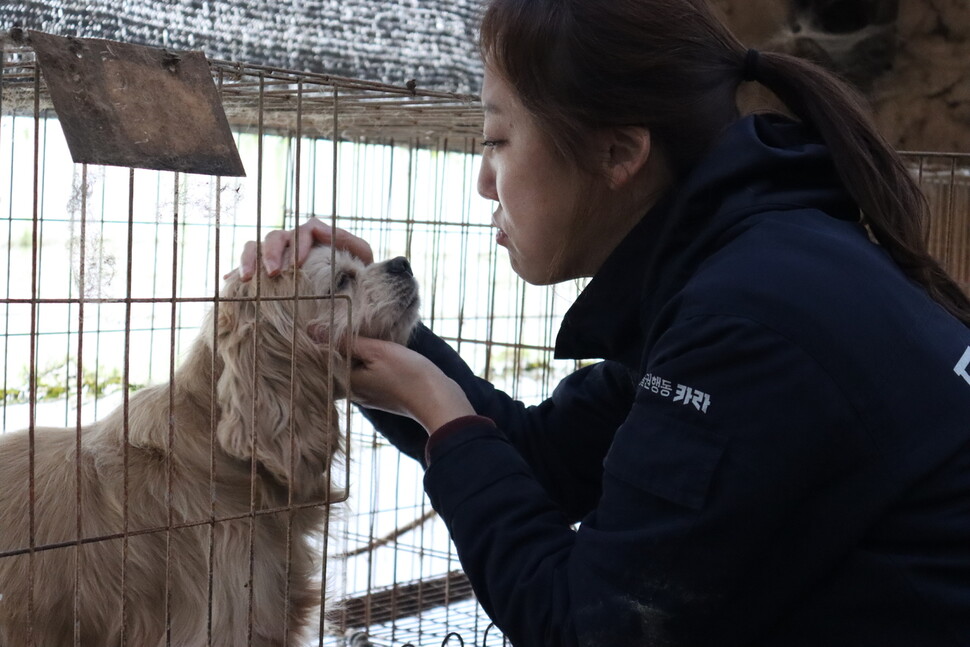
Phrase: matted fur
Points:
(233, 398)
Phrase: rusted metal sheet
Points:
(130, 105)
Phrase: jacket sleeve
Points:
(738, 453)
(563, 440)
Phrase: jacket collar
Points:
(761, 163)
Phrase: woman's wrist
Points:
(438, 416)
(443, 402)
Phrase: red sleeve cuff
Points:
(449, 429)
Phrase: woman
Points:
(775, 449)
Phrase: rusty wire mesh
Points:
(945, 180)
(109, 272)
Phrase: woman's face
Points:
(539, 193)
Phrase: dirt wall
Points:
(922, 101)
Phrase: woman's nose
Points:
(486, 181)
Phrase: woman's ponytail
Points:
(892, 204)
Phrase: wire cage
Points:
(945, 180)
(110, 272)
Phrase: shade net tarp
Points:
(432, 42)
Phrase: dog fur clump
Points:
(245, 434)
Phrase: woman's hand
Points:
(393, 378)
(282, 247)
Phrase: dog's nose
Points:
(399, 265)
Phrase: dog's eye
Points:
(343, 280)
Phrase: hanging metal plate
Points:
(130, 105)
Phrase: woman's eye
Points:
(491, 143)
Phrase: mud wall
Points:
(920, 96)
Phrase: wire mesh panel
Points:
(945, 180)
(114, 283)
(110, 278)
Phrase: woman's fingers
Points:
(306, 239)
(316, 231)
(357, 246)
(392, 378)
(247, 262)
(274, 250)
(376, 363)
(282, 247)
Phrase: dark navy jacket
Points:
(775, 451)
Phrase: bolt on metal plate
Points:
(130, 105)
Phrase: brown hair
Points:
(673, 67)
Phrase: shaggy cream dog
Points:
(244, 435)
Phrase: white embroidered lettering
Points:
(682, 393)
(963, 366)
(701, 401)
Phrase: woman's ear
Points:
(627, 151)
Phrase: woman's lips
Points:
(501, 238)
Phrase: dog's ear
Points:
(276, 394)
(333, 326)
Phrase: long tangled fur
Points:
(272, 440)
